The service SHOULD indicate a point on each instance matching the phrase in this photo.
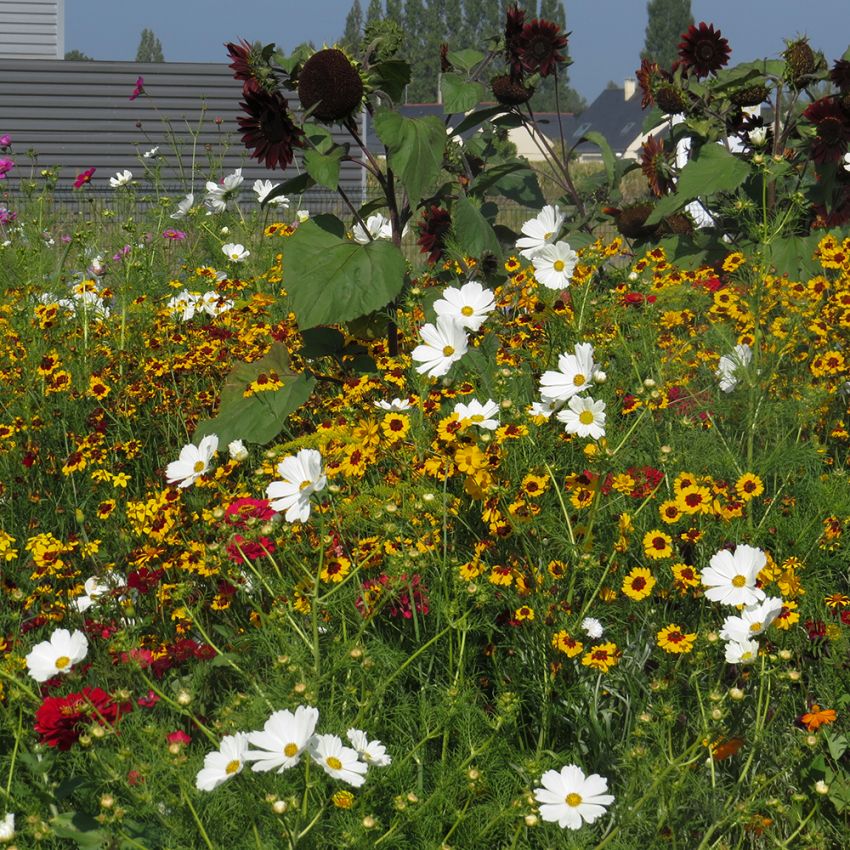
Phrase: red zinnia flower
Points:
(703, 49)
(61, 720)
(268, 128)
(433, 229)
(84, 178)
(541, 41)
(833, 129)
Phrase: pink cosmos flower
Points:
(84, 178)
(5, 141)
(175, 235)
(139, 89)
(6, 165)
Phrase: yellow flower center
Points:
(586, 417)
(547, 236)
(739, 581)
(333, 763)
(476, 418)
(746, 656)
(304, 485)
(466, 311)
(62, 662)
(756, 627)
(448, 351)
(579, 380)
(199, 466)
(558, 265)
(573, 799)
(290, 750)
(232, 767)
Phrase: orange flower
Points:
(818, 717)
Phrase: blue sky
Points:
(607, 35)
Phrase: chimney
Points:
(629, 88)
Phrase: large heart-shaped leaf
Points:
(460, 95)
(324, 168)
(416, 147)
(473, 234)
(330, 279)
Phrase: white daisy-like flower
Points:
(301, 476)
(213, 303)
(223, 764)
(7, 827)
(284, 738)
(540, 231)
(757, 136)
(742, 652)
(545, 408)
(554, 265)
(337, 760)
(302, 215)
(584, 417)
(592, 627)
(731, 579)
(235, 252)
(263, 188)
(729, 365)
(56, 655)
(753, 621)
(846, 162)
(371, 752)
(183, 304)
(122, 178)
(219, 194)
(571, 799)
(237, 451)
(194, 461)
(574, 376)
(468, 306)
(184, 206)
(151, 153)
(96, 586)
(442, 345)
(397, 405)
(482, 415)
(377, 227)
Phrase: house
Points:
(32, 29)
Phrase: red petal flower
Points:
(61, 720)
(268, 128)
(704, 49)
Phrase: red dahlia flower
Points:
(541, 41)
(61, 720)
(703, 49)
(269, 129)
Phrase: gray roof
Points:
(617, 119)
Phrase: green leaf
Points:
(464, 60)
(79, 827)
(513, 179)
(320, 342)
(332, 280)
(391, 77)
(260, 417)
(319, 136)
(415, 148)
(472, 232)
(479, 117)
(459, 95)
(295, 185)
(481, 360)
(837, 744)
(608, 158)
(324, 168)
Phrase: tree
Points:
(353, 28)
(667, 20)
(150, 49)
(394, 11)
(77, 56)
(375, 11)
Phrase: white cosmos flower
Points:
(730, 364)
(194, 461)
(731, 579)
(151, 153)
(541, 231)
(284, 738)
(743, 652)
(237, 451)
(122, 178)
(218, 194)
(442, 345)
(7, 828)
(263, 188)
(479, 414)
(574, 376)
(214, 304)
(592, 627)
(753, 621)
(226, 762)
(397, 405)
(757, 136)
(235, 252)
(570, 798)
(57, 655)
(184, 304)
(468, 306)
(545, 408)
(301, 476)
(554, 265)
(584, 417)
(377, 227)
(97, 586)
(184, 206)
(302, 215)
(337, 760)
(846, 162)
(371, 752)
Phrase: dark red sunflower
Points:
(268, 128)
(649, 77)
(839, 76)
(330, 85)
(703, 49)
(654, 165)
(541, 42)
(433, 229)
(514, 24)
(832, 127)
(61, 720)
(250, 64)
